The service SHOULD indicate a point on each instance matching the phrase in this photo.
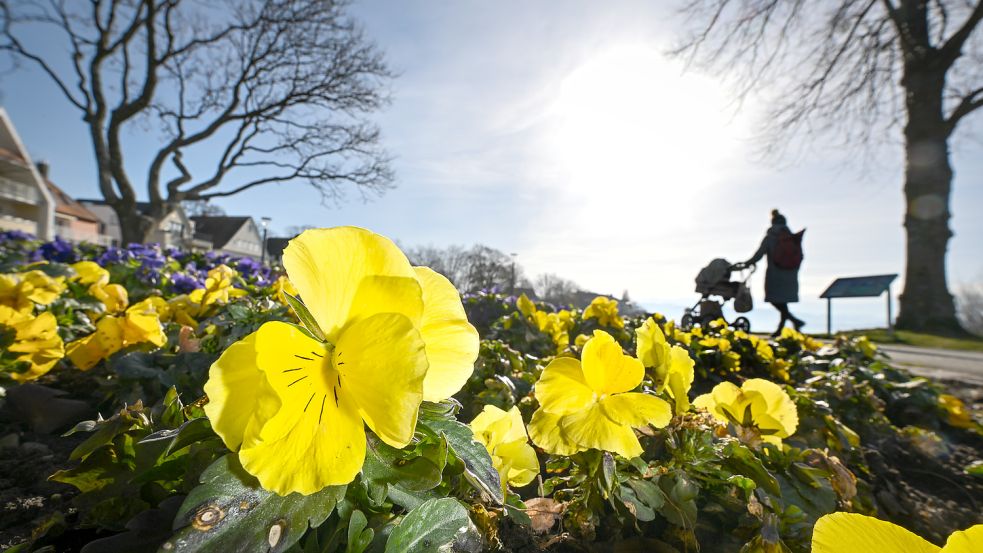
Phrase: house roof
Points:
(11, 155)
(67, 205)
(275, 246)
(219, 229)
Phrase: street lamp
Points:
(265, 221)
(512, 277)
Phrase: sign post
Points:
(858, 287)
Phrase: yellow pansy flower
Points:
(113, 296)
(284, 286)
(218, 287)
(852, 532)
(867, 347)
(807, 342)
(590, 405)
(555, 325)
(89, 272)
(295, 406)
(155, 304)
(581, 340)
(722, 344)
(958, 414)
(139, 324)
(504, 436)
(36, 340)
(183, 311)
(758, 403)
(672, 366)
(525, 305)
(605, 310)
(21, 291)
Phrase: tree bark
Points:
(134, 226)
(925, 303)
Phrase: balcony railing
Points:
(18, 191)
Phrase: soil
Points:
(26, 495)
(930, 495)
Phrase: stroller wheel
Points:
(686, 322)
(742, 323)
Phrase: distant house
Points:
(232, 235)
(176, 229)
(25, 202)
(274, 249)
(73, 221)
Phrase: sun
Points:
(631, 121)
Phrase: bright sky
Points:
(562, 133)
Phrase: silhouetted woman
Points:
(781, 284)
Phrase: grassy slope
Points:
(882, 336)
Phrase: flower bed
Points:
(355, 403)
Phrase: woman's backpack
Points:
(788, 249)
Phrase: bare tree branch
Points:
(279, 88)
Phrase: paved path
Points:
(940, 364)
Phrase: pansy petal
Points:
(852, 532)
(520, 461)
(652, 349)
(593, 429)
(238, 393)
(965, 541)
(637, 409)
(323, 446)
(607, 369)
(780, 406)
(680, 377)
(297, 368)
(493, 426)
(451, 341)
(562, 389)
(546, 432)
(328, 265)
(382, 364)
(387, 294)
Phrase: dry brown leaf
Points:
(544, 513)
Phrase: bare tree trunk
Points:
(926, 304)
(134, 227)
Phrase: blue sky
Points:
(561, 132)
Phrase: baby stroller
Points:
(714, 282)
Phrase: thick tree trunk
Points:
(134, 226)
(926, 304)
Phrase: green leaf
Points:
(478, 466)
(431, 527)
(680, 505)
(642, 512)
(445, 409)
(230, 511)
(357, 541)
(305, 316)
(975, 468)
(188, 433)
(647, 492)
(388, 465)
(743, 461)
(608, 472)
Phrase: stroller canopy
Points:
(715, 273)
